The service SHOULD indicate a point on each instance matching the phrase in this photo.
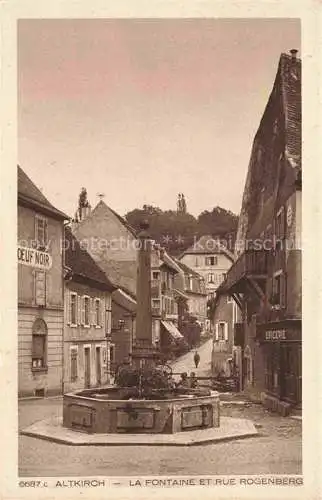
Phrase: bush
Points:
(144, 379)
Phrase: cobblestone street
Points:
(277, 450)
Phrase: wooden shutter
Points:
(283, 223)
(82, 310)
(67, 306)
(216, 332)
(283, 290)
(78, 312)
(36, 232)
(92, 311)
(45, 233)
(40, 288)
(73, 364)
(102, 312)
(226, 332)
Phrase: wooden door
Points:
(98, 366)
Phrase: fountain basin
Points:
(103, 411)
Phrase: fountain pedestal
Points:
(102, 412)
(143, 352)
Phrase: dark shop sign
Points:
(279, 333)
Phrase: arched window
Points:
(39, 344)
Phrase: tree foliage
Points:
(176, 231)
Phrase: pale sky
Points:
(143, 109)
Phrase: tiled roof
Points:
(169, 262)
(124, 300)
(208, 245)
(102, 205)
(186, 269)
(81, 263)
(29, 193)
(291, 90)
(287, 86)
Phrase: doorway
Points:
(98, 366)
(87, 366)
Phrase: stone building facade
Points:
(265, 280)
(165, 331)
(209, 259)
(123, 327)
(111, 242)
(192, 284)
(88, 352)
(40, 292)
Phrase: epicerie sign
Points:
(275, 335)
(34, 258)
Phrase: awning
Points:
(172, 329)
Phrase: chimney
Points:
(293, 53)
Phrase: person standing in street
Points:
(196, 359)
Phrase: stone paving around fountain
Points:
(230, 428)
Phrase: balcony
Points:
(252, 264)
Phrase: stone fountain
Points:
(145, 399)
(144, 407)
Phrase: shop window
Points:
(40, 288)
(41, 232)
(39, 344)
(73, 364)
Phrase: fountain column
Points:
(144, 353)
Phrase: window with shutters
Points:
(39, 345)
(211, 261)
(211, 278)
(73, 309)
(40, 288)
(221, 331)
(278, 298)
(41, 232)
(73, 363)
